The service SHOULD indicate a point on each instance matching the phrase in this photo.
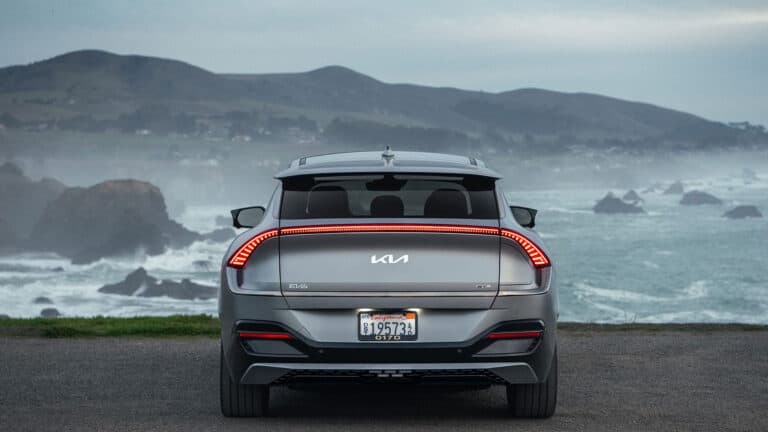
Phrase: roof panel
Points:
(403, 161)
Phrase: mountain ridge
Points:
(102, 84)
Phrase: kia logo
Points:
(388, 259)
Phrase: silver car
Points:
(393, 267)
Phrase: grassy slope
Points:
(204, 325)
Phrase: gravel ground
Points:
(608, 381)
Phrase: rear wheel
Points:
(239, 400)
(534, 400)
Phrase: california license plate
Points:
(387, 326)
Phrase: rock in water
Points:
(202, 265)
(695, 197)
(11, 169)
(140, 284)
(612, 205)
(116, 217)
(743, 212)
(22, 201)
(749, 175)
(50, 313)
(632, 196)
(185, 290)
(8, 237)
(675, 188)
(132, 284)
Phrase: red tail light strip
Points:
(515, 335)
(264, 335)
(537, 257)
(241, 256)
(456, 229)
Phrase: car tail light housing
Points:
(535, 254)
(240, 257)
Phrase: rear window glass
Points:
(389, 196)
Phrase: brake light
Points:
(536, 255)
(453, 229)
(264, 335)
(515, 335)
(241, 256)
(538, 258)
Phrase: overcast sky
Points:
(705, 57)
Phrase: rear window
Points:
(389, 196)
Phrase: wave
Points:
(568, 210)
(75, 296)
(704, 315)
(696, 290)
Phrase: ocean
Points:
(672, 264)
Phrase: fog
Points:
(231, 174)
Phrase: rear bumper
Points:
(478, 361)
(452, 345)
(423, 373)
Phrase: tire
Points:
(534, 400)
(241, 400)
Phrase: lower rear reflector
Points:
(264, 335)
(515, 335)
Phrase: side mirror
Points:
(247, 217)
(525, 216)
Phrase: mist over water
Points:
(672, 264)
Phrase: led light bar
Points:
(452, 229)
(536, 255)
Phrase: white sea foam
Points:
(548, 235)
(695, 290)
(588, 291)
(569, 210)
(704, 315)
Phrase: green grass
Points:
(171, 326)
(208, 326)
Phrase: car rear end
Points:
(388, 277)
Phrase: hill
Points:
(96, 91)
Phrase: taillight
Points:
(428, 228)
(240, 257)
(537, 256)
(515, 334)
(264, 335)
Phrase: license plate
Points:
(387, 326)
